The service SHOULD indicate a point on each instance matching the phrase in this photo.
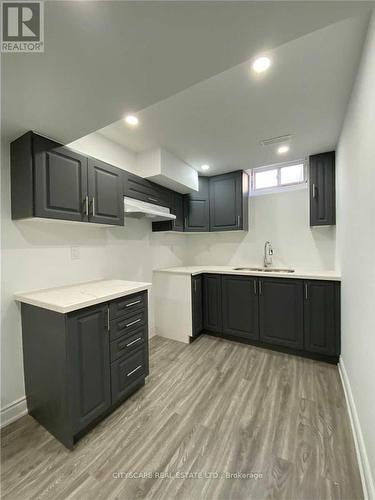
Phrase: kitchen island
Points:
(85, 350)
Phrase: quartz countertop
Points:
(298, 273)
(65, 299)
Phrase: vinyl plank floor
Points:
(215, 420)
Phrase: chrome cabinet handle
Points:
(186, 224)
(306, 292)
(87, 205)
(313, 191)
(134, 342)
(133, 371)
(108, 327)
(133, 303)
(133, 322)
(93, 207)
(238, 220)
(255, 287)
(260, 287)
(152, 199)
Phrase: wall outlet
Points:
(75, 253)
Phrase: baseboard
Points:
(363, 462)
(13, 412)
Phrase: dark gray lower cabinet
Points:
(322, 317)
(212, 303)
(79, 366)
(197, 303)
(281, 311)
(88, 345)
(240, 306)
(293, 315)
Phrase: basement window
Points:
(279, 177)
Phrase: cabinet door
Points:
(322, 317)
(178, 211)
(240, 306)
(197, 209)
(89, 365)
(226, 202)
(322, 189)
(281, 311)
(106, 197)
(212, 312)
(197, 304)
(60, 186)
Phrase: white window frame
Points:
(280, 187)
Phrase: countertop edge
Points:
(87, 303)
(307, 276)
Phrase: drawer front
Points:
(127, 306)
(126, 372)
(145, 190)
(126, 344)
(127, 325)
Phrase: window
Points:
(279, 177)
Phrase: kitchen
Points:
(187, 277)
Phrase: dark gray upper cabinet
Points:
(142, 189)
(197, 304)
(106, 198)
(322, 317)
(51, 181)
(212, 302)
(89, 365)
(229, 198)
(197, 208)
(240, 306)
(281, 311)
(322, 189)
(47, 180)
(177, 208)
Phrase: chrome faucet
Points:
(268, 252)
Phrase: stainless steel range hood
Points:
(138, 209)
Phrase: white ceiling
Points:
(221, 120)
(104, 58)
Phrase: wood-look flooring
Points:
(211, 407)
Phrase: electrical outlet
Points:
(75, 253)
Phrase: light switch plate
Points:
(75, 253)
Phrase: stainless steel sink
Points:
(264, 269)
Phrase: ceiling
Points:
(105, 58)
(222, 120)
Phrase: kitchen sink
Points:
(264, 269)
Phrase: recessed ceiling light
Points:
(261, 64)
(131, 120)
(205, 167)
(283, 149)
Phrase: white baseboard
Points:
(13, 411)
(363, 462)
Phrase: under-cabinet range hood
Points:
(138, 209)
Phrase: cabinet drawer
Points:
(127, 306)
(127, 372)
(127, 324)
(127, 343)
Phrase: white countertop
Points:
(65, 299)
(298, 273)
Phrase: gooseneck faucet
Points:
(268, 252)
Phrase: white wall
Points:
(283, 219)
(356, 249)
(37, 255)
